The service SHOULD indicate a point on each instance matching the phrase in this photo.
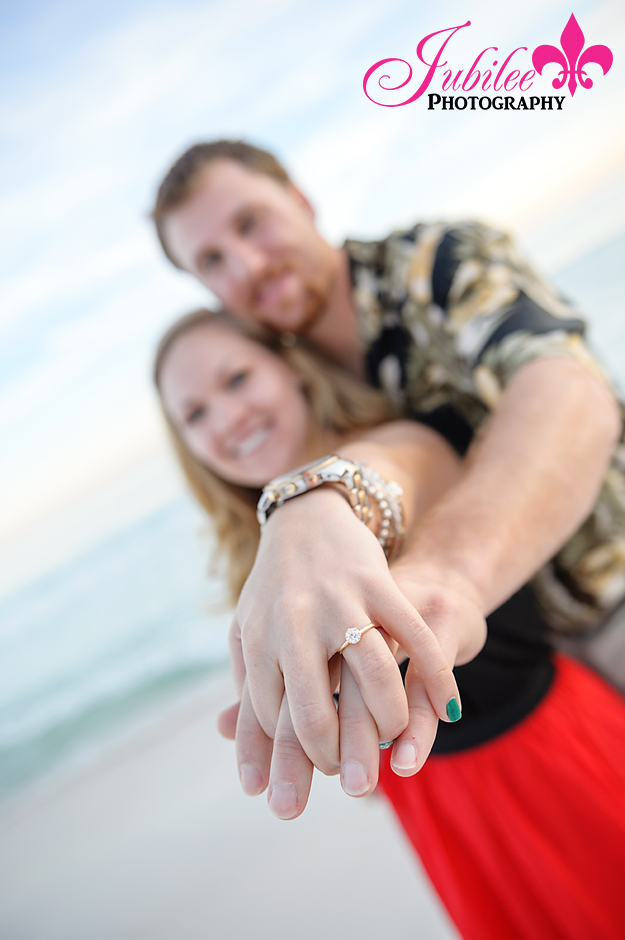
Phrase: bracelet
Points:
(363, 486)
(388, 497)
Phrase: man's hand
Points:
(453, 612)
(529, 482)
(282, 765)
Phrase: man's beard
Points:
(316, 303)
(301, 321)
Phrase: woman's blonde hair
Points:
(338, 402)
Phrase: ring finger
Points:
(374, 668)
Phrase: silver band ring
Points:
(354, 635)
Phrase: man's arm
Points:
(530, 480)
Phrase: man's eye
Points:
(238, 378)
(247, 223)
(195, 415)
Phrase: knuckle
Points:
(313, 721)
(417, 627)
(394, 727)
(378, 671)
(327, 767)
(295, 606)
(257, 661)
(267, 725)
(421, 712)
(438, 601)
(354, 725)
(442, 673)
(287, 749)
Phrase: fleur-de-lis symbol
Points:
(572, 41)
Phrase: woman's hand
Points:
(282, 766)
(319, 571)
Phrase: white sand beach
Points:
(154, 840)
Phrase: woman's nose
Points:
(227, 413)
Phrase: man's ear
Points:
(301, 199)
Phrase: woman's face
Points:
(238, 407)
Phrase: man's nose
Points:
(248, 262)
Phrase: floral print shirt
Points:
(448, 314)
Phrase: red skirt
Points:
(524, 837)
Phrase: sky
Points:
(98, 99)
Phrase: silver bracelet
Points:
(363, 486)
(388, 497)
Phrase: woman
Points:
(519, 816)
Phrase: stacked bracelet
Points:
(364, 486)
(388, 497)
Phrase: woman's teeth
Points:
(250, 444)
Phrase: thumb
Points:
(227, 721)
(237, 662)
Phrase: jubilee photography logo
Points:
(489, 81)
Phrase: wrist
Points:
(376, 502)
(427, 573)
(325, 503)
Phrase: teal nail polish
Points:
(453, 710)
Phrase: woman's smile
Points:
(252, 442)
(239, 408)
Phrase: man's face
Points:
(252, 241)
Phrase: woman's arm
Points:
(413, 455)
(534, 474)
(279, 632)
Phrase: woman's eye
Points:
(238, 378)
(195, 415)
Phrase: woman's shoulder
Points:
(404, 432)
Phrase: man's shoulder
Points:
(440, 243)
(464, 229)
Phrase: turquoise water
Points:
(100, 640)
(95, 642)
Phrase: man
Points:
(458, 328)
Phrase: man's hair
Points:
(182, 178)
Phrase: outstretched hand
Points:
(282, 767)
(317, 575)
(285, 637)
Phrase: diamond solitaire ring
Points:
(354, 635)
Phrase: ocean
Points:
(95, 643)
(134, 620)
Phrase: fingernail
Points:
(405, 756)
(453, 710)
(251, 779)
(354, 778)
(283, 801)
